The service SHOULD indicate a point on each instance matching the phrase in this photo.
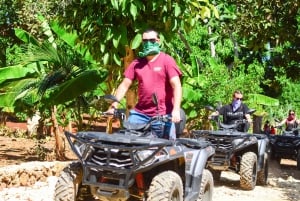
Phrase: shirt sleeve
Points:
(246, 109)
(172, 68)
(129, 72)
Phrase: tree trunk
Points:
(3, 118)
(257, 124)
(59, 143)
(131, 93)
(212, 45)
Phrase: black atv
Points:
(286, 145)
(239, 152)
(129, 166)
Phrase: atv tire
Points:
(207, 186)
(216, 174)
(67, 186)
(166, 186)
(248, 171)
(262, 175)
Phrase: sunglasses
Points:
(292, 114)
(152, 40)
(238, 98)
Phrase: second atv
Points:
(286, 145)
(239, 152)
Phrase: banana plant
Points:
(51, 74)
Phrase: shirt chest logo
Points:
(157, 68)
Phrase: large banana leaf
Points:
(71, 89)
(26, 37)
(262, 100)
(15, 90)
(7, 99)
(15, 72)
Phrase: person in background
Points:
(273, 130)
(267, 128)
(156, 73)
(290, 122)
(236, 110)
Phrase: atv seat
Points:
(192, 143)
(131, 126)
(228, 126)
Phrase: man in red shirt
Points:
(156, 72)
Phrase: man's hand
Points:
(212, 115)
(248, 117)
(176, 116)
(110, 111)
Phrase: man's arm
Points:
(177, 91)
(246, 110)
(220, 111)
(248, 117)
(121, 91)
(281, 123)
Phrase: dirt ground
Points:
(283, 183)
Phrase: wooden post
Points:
(130, 95)
(257, 124)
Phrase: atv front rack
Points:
(111, 160)
(225, 143)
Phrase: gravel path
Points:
(40, 191)
(283, 185)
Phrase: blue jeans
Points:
(159, 129)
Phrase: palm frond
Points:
(51, 80)
(43, 52)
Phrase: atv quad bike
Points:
(239, 152)
(286, 145)
(129, 166)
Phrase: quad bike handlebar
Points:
(144, 129)
(293, 132)
(118, 113)
(234, 125)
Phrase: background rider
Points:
(236, 110)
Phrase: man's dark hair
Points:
(237, 92)
(152, 30)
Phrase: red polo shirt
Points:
(154, 77)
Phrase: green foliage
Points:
(108, 26)
(214, 80)
(262, 21)
(85, 81)
(53, 71)
(289, 96)
(256, 45)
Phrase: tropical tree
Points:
(50, 74)
(112, 29)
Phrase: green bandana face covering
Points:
(149, 48)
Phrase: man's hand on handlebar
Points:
(176, 116)
(110, 111)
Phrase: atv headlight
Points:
(149, 155)
(144, 154)
(83, 150)
(79, 147)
